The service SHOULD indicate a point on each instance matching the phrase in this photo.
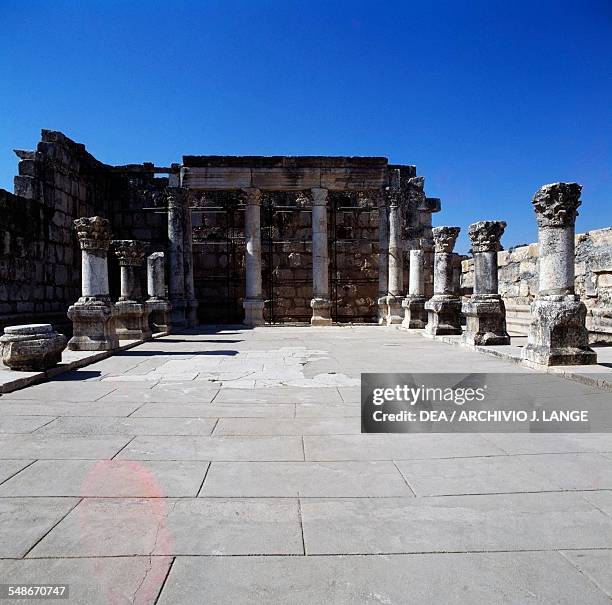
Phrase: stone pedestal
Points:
(31, 348)
(557, 334)
(415, 316)
(132, 314)
(444, 308)
(485, 312)
(396, 264)
(93, 315)
(158, 306)
(320, 303)
(253, 303)
(175, 199)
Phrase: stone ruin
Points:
(259, 240)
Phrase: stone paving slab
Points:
(95, 581)
(457, 476)
(168, 393)
(107, 478)
(201, 526)
(315, 410)
(550, 443)
(90, 447)
(542, 521)
(23, 424)
(306, 479)
(397, 447)
(595, 565)
(300, 426)
(214, 448)
(8, 468)
(26, 520)
(26, 407)
(281, 395)
(76, 391)
(230, 410)
(452, 579)
(129, 426)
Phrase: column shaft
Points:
(320, 303)
(176, 242)
(253, 302)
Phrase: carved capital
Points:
(556, 205)
(252, 196)
(319, 196)
(93, 233)
(445, 238)
(485, 236)
(130, 252)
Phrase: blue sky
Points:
(489, 99)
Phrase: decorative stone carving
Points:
(132, 313)
(320, 303)
(444, 308)
(557, 334)
(485, 311)
(31, 348)
(93, 315)
(157, 303)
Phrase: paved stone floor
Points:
(227, 466)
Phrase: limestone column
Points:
(396, 252)
(132, 313)
(176, 242)
(557, 334)
(191, 302)
(93, 315)
(253, 301)
(157, 303)
(485, 311)
(320, 303)
(415, 316)
(383, 257)
(444, 308)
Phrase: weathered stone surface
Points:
(444, 308)
(33, 347)
(557, 334)
(484, 311)
(320, 303)
(159, 307)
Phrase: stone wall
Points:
(40, 260)
(518, 282)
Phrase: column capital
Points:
(556, 205)
(93, 233)
(445, 238)
(252, 195)
(485, 236)
(319, 196)
(130, 252)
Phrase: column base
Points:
(178, 317)
(444, 315)
(191, 313)
(321, 312)
(395, 315)
(159, 314)
(415, 316)
(253, 312)
(485, 317)
(93, 325)
(557, 334)
(31, 348)
(132, 321)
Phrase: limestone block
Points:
(33, 347)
